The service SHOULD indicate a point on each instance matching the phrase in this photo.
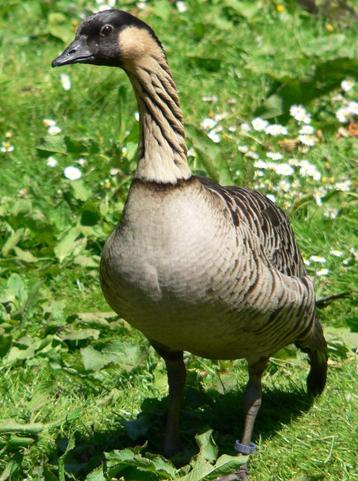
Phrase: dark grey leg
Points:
(176, 379)
(252, 403)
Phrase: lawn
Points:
(269, 95)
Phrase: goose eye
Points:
(106, 29)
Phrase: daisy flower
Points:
(65, 81)
(275, 130)
(299, 113)
(259, 124)
(72, 173)
(6, 147)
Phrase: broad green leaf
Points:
(16, 354)
(10, 469)
(58, 27)
(21, 207)
(127, 355)
(53, 144)
(67, 244)
(39, 399)
(321, 45)
(11, 426)
(61, 461)
(15, 291)
(118, 461)
(92, 359)
(12, 241)
(137, 428)
(209, 64)
(55, 308)
(201, 469)
(210, 156)
(86, 261)
(207, 447)
(25, 256)
(245, 9)
(289, 90)
(349, 338)
(96, 475)
(80, 334)
(162, 9)
(80, 191)
(96, 318)
(226, 465)
(90, 212)
(5, 344)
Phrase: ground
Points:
(268, 93)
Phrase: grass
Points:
(90, 380)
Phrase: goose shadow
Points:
(201, 410)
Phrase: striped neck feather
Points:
(162, 153)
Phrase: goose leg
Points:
(252, 403)
(176, 380)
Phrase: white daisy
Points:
(54, 130)
(309, 140)
(49, 122)
(51, 161)
(214, 136)
(274, 155)
(6, 147)
(72, 173)
(347, 85)
(344, 185)
(319, 259)
(261, 164)
(259, 124)
(275, 130)
(181, 6)
(322, 272)
(336, 253)
(243, 148)
(342, 115)
(299, 113)
(330, 213)
(81, 161)
(208, 123)
(306, 130)
(282, 169)
(352, 108)
(284, 186)
(65, 81)
(271, 197)
(245, 127)
(209, 98)
(310, 170)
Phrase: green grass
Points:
(55, 366)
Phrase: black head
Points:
(100, 40)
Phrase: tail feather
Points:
(316, 348)
(325, 301)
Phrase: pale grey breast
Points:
(207, 269)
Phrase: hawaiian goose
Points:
(196, 266)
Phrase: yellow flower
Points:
(329, 27)
(280, 8)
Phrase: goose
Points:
(196, 266)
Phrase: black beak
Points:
(76, 52)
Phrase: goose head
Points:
(113, 38)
